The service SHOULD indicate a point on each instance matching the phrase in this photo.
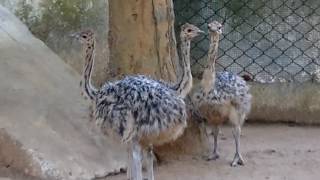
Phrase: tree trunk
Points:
(142, 39)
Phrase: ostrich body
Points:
(141, 111)
(222, 96)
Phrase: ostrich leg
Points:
(129, 162)
(214, 155)
(211, 136)
(150, 163)
(237, 160)
(205, 137)
(215, 133)
(136, 166)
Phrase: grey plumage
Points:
(228, 87)
(139, 106)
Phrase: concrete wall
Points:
(53, 20)
(286, 102)
(44, 121)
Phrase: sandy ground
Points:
(275, 152)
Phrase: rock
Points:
(44, 122)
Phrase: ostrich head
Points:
(215, 26)
(85, 37)
(190, 31)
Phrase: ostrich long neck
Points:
(213, 51)
(209, 74)
(87, 87)
(184, 85)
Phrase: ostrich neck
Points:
(87, 87)
(209, 74)
(213, 51)
(184, 84)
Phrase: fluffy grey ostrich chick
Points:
(222, 96)
(141, 111)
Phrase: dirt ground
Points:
(275, 152)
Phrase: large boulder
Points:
(44, 122)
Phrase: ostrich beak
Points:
(75, 35)
(201, 32)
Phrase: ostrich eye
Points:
(189, 30)
(84, 36)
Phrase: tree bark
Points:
(142, 39)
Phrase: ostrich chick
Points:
(141, 111)
(221, 96)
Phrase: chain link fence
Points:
(269, 40)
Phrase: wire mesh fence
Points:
(266, 39)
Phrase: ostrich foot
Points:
(237, 160)
(212, 156)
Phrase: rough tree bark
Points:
(142, 39)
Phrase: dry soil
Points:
(272, 152)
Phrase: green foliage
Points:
(59, 16)
(24, 12)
